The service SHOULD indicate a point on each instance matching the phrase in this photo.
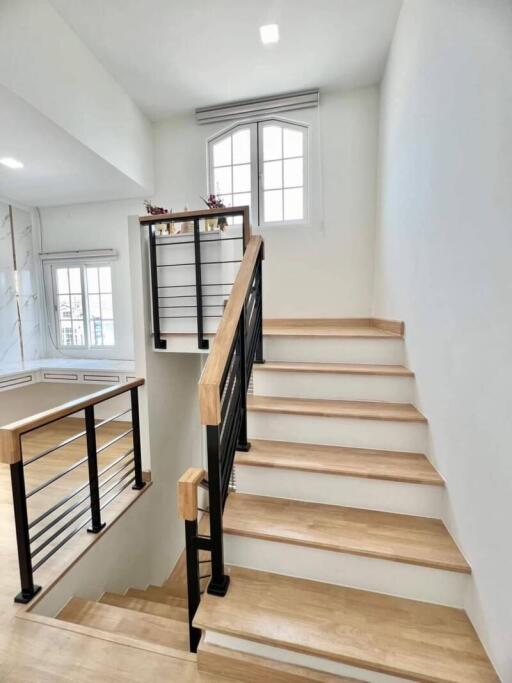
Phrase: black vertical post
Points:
(259, 323)
(28, 588)
(159, 343)
(137, 458)
(242, 443)
(202, 343)
(193, 586)
(219, 582)
(92, 461)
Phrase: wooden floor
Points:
(32, 652)
(401, 538)
(415, 640)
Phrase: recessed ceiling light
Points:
(11, 163)
(269, 34)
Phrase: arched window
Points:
(264, 165)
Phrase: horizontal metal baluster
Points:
(193, 284)
(203, 263)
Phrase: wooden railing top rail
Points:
(211, 377)
(10, 446)
(187, 493)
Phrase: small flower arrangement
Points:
(214, 202)
(154, 210)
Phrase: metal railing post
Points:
(159, 342)
(258, 356)
(137, 458)
(220, 581)
(193, 583)
(242, 443)
(92, 461)
(202, 343)
(28, 588)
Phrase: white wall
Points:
(45, 63)
(325, 269)
(101, 225)
(443, 264)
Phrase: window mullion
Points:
(85, 307)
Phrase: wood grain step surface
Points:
(362, 410)
(396, 636)
(412, 468)
(359, 328)
(146, 627)
(157, 594)
(385, 535)
(364, 369)
(159, 609)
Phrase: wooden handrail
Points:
(211, 377)
(187, 493)
(10, 445)
(202, 213)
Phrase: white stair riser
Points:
(370, 494)
(344, 569)
(334, 350)
(387, 435)
(333, 386)
(299, 659)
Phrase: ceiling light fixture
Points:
(269, 34)
(11, 163)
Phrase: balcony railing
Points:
(70, 511)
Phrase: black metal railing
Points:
(226, 433)
(38, 539)
(163, 293)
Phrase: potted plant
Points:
(214, 202)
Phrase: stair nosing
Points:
(371, 369)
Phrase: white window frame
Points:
(83, 265)
(257, 196)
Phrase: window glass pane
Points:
(272, 142)
(272, 174)
(75, 283)
(66, 333)
(293, 173)
(293, 143)
(242, 146)
(273, 205)
(106, 306)
(108, 333)
(94, 306)
(293, 205)
(242, 178)
(222, 180)
(227, 199)
(92, 280)
(64, 307)
(105, 279)
(62, 281)
(242, 199)
(76, 307)
(222, 152)
(78, 333)
(95, 333)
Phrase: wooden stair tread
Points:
(157, 594)
(145, 627)
(310, 327)
(385, 535)
(397, 636)
(336, 368)
(364, 410)
(356, 462)
(159, 609)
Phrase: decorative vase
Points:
(211, 224)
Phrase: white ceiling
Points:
(57, 168)
(175, 55)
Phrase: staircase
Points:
(341, 566)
